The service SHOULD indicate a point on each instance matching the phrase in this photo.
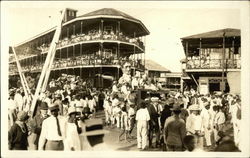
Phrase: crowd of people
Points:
(198, 62)
(93, 35)
(83, 60)
(65, 117)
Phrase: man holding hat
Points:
(53, 131)
(36, 124)
(154, 110)
(174, 130)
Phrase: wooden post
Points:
(134, 56)
(81, 27)
(233, 52)
(222, 62)
(23, 80)
(200, 52)
(46, 67)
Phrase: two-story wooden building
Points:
(213, 60)
(91, 44)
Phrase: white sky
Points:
(166, 21)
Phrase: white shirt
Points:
(49, 130)
(219, 118)
(131, 112)
(84, 103)
(142, 115)
(11, 104)
(19, 101)
(206, 117)
(92, 104)
(115, 102)
(193, 123)
(233, 110)
(114, 88)
(134, 83)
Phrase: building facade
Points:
(90, 46)
(213, 60)
(172, 81)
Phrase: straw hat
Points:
(194, 107)
(71, 110)
(154, 99)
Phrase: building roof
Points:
(229, 32)
(110, 12)
(153, 66)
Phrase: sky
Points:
(166, 21)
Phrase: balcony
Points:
(213, 64)
(80, 38)
(94, 36)
(78, 62)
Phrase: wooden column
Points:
(134, 55)
(222, 63)
(102, 29)
(233, 52)
(200, 52)
(74, 31)
(81, 27)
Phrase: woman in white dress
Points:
(72, 140)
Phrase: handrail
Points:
(213, 64)
(72, 62)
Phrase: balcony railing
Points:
(213, 64)
(81, 38)
(73, 62)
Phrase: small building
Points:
(154, 69)
(173, 81)
(213, 60)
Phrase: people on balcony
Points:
(92, 35)
(212, 62)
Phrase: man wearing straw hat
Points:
(174, 130)
(53, 131)
(194, 124)
(72, 139)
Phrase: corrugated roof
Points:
(229, 32)
(109, 11)
(153, 66)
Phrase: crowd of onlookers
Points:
(169, 121)
(80, 61)
(93, 35)
(199, 62)
(178, 121)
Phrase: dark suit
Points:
(36, 127)
(154, 123)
